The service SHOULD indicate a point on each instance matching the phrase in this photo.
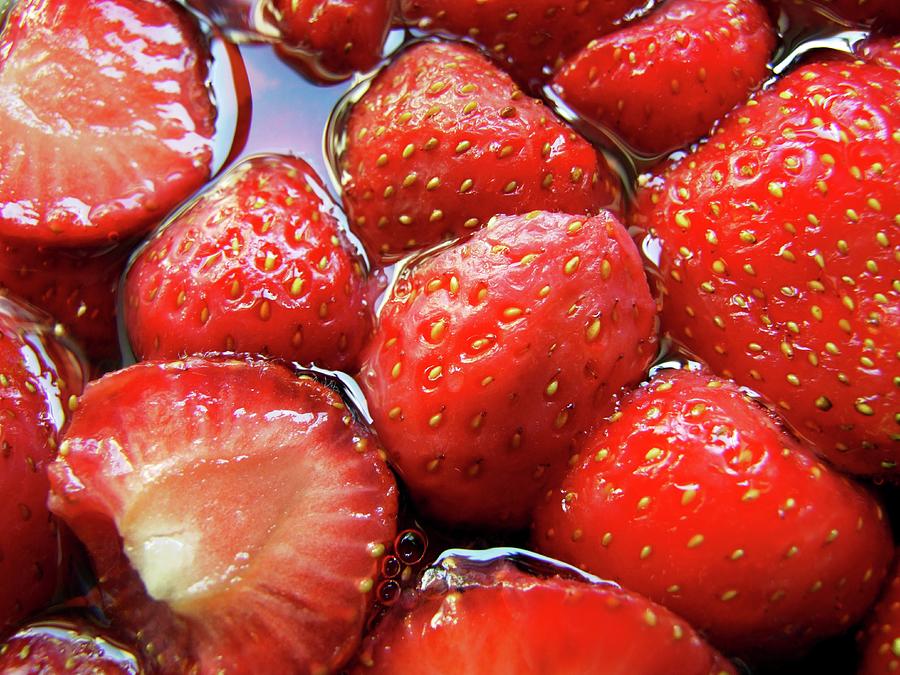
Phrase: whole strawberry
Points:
(691, 494)
(235, 514)
(39, 381)
(779, 249)
(106, 120)
(528, 38)
(662, 82)
(491, 356)
(471, 614)
(443, 141)
(337, 37)
(257, 264)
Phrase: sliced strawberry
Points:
(235, 513)
(105, 118)
(529, 38)
(661, 82)
(78, 288)
(492, 356)
(469, 615)
(257, 264)
(338, 37)
(694, 496)
(780, 246)
(66, 646)
(38, 375)
(443, 141)
(880, 639)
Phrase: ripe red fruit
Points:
(66, 646)
(78, 288)
(338, 36)
(529, 38)
(38, 374)
(817, 14)
(520, 624)
(779, 250)
(257, 264)
(443, 141)
(694, 496)
(662, 82)
(106, 118)
(493, 355)
(879, 640)
(235, 513)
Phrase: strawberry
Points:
(661, 82)
(235, 513)
(338, 37)
(880, 50)
(818, 14)
(469, 615)
(78, 288)
(257, 264)
(443, 141)
(491, 356)
(63, 645)
(105, 122)
(38, 375)
(529, 38)
(880, 639)
(779, 250)
(693, 495)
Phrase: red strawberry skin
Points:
(85, 169)
(77, 287)
(38, 374)
(491, 356)
(443, 141)
(235, 513)
(879, 638)
(257, 264)
(561, 626)
(662, 82)
(340, 36)
(692, 495)
(779, 251)
(529, 38)
(66, 646)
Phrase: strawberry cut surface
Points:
(779, 250)
(105, 118)
(694, 496)
(257, 264)
(443, 140)
(235, 513)
(491, 356)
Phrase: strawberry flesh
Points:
(235, 513)
(491, 357)
(692, 495)
(105, 118)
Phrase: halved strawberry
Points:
(257, 264)
(443, 141)
(63, 645)
(235, 513)
(339, 37)
(472, 618)
(880, 639)
(38, 375)
(662, 82)
(493, 355)
(77, 287)
(105, 118)
(694, 496)
(529, 38)
(779, 254)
